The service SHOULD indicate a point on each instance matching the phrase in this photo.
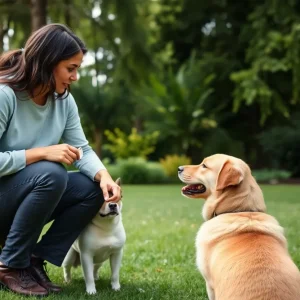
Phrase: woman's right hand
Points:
(62, 153)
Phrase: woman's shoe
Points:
(21, 282)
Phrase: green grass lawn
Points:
(159, 256)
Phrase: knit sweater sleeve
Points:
(10, 161)
(74, 135)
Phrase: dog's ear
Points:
(118, 181)
(229, 175)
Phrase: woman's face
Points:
(66, 72)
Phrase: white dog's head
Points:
(225, 182)
(111, 209)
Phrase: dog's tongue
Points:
(193, 189)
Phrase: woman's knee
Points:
(95, 197)
(51, 173)
(90, 191)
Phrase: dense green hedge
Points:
(138, 171)
(269, 175)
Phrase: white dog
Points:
(102, 239)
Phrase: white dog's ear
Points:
(118, 181)
(229, 175)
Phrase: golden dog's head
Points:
(215, 173)
(111, 209)
(225, 181)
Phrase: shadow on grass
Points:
(134, 290)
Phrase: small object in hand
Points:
(81, 152)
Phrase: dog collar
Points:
(233, 212)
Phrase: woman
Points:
(36, 113)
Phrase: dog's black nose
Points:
(180, 169)
(112, 205)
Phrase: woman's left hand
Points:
(111, 190)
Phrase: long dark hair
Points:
(26, 69)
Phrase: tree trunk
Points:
(67, 12)
(3, 31)
(138, 124)
(98, 141)
(38, 11)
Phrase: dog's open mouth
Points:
(193, 189)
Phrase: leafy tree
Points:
(102, 109)
(182, 110)
(38, 10)
(14, 18)
(272, 56)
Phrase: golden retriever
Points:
(241, 251)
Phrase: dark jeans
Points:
(42, 192)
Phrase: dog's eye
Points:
(204, 166)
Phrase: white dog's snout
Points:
(112, 206)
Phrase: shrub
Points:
(171, 163)
(114, 171)
(123, 146)
(136, 170)
(282, 145)
(156, 173)
(270, 174)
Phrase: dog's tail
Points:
(72, 258)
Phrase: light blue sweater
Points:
(26, 125)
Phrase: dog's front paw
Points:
(91, 290)
(115, 286)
